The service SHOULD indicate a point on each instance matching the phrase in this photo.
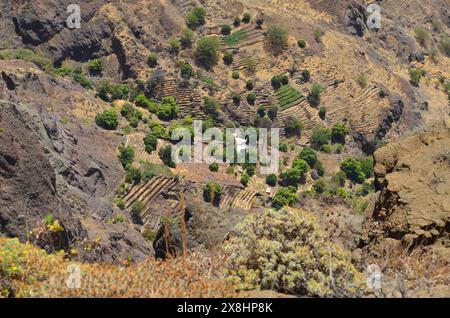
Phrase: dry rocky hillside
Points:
(86, 116)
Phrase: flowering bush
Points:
(286, 251)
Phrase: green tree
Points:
(320, 137)
(309, 155)
(338, 133)
(246, 18)
(150, 142)
(186, 71)
(271, 180)
(174, 45)
(277, 38)
(225, 29)
(251, 98)
(245, 178)
(272, 112)
(367, 167)
(152, 60)
(285, 197)
(195, 17)
(126, 156)
(293, 126)
(108, 119)
(228, 58)
(352, 169)
(95, 66)
(306, 75)
(214, 167)
(186, 38)
(207, 49)
(168, 109)
(314, 94)
(320, 185)
(211, 105)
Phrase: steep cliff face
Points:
(54, 160)
(413, 179)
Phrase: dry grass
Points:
(26, 271)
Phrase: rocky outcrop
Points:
(53, 160)
(413, 180)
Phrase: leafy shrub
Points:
(236, 98)
(286, 250)
(353, 171)
(320, 185)
(195, 17)
(152, 60)
(237, 21)
(150, 142)
(415, 75)
(245, 178)
(212, 192)
(326, 148)
(271, 180)
(259, 23)
(225, 29)
(168, 109)
(235, 75)
(251, 98)
(318, 33)
(362, 80)
(322, 112)
(277, 38)
(108, 119)
(422, 35)
(283, 147)
(293, 126)
(95, 66)
(272, 112)
(278, 80)
(295, 175)
(314, 94)
(214, 167)
(130, 113)
(207, 49)
(319, 168)
(126, 156)
(301, 43)
(133, 175)
(246, 18)
(187, 71)
(309, 155)
(339, 178)
(320, 137)
(81, 79)
(367, 167)
(249, 85)
(211, 105)
(228, 58)
(306, 75)
(250, 64)
(338, 133)
(285, 197)
(165, 153)
(186, 38)
(174, 45)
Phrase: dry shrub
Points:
(26, 271)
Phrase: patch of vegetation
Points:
(287, 96)
(309, 155)
(352, 169)
(314, 94)
(293, 126)
(277, 38)
(422, 35)
(278, 80)
(152, 60)
(211, 105)
(362, 80)
(187, 38)
(271, 180)
(338, 133)
(416, 76)
(165, 154)
(126, 156)
(301, 43)
(235, 37)
(228, 58)
(214, 167)
(246, 18)
(250, 64)
(208, 81)
(168, 109)
(251, 98)
(285, 197)
(43, 62)
(206, 52)
(95, 66)
(212, 193)
(225, 29)
(108, 119)
(318, 33)
(195, 17)
(320, 137)
(235, 75)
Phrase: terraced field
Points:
(242, 200)
(247, 35)
(288, 97)
(137, 142)
(208, 81)
(146, 192)
(234, 38)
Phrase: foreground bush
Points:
(285, 250)
(26, 271)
